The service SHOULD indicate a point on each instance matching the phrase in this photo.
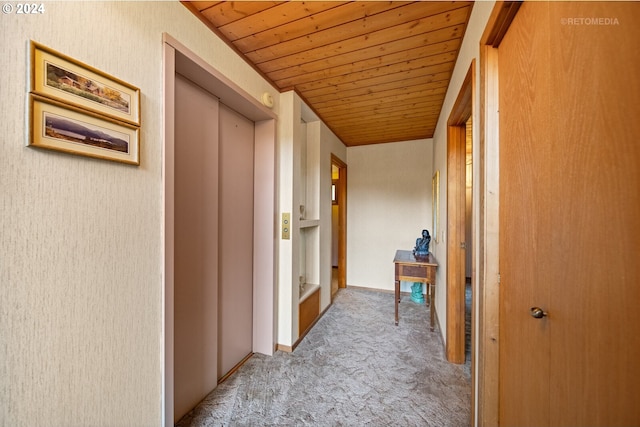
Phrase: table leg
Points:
(397, 298)
(432, 295)
(428, 289)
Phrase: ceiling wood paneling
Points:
(373, 71)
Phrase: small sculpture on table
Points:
(421, 251)
(422, 245)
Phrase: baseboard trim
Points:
(444, 345)
(384, 291)
(235, 368)
(285, 348)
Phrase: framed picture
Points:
(58, 126)
(60, 77)
(435, 204)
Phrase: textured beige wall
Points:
(388, 206)
(469, 51)
(81, 239)
(289, 131)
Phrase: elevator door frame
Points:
(178, 58)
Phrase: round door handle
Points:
(538, 313)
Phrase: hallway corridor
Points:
(353, 368)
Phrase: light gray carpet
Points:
(353, 368)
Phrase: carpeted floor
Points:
(353, 368)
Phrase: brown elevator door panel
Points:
(236, 239)
(196, 246)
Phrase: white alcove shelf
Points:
(308, 231)
(307, 223)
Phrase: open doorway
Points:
(468, 236)
(460, 291)
(338, 225)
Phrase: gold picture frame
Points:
(435, 205)
(65, 79)
(62, 127)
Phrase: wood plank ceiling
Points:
(373, 71)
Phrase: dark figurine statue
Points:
(422, 244)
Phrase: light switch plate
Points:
(286, 225)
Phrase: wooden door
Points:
(235, 327)
(594, 315)
(570, 215)
(525, 233)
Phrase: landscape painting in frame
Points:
(60, 77)
(61, 127)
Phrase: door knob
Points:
(538, 313)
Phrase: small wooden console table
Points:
(412, 269)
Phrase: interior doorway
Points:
(338, 225)
(468, 231)
(460, 321)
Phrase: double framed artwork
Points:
(78, 109)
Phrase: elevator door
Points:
(213, 293)
(196, 245)
(235, 315)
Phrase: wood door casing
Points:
(456, 217)
(342, 220)
(456, 256)
(569, 216)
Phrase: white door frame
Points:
(178, 58)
